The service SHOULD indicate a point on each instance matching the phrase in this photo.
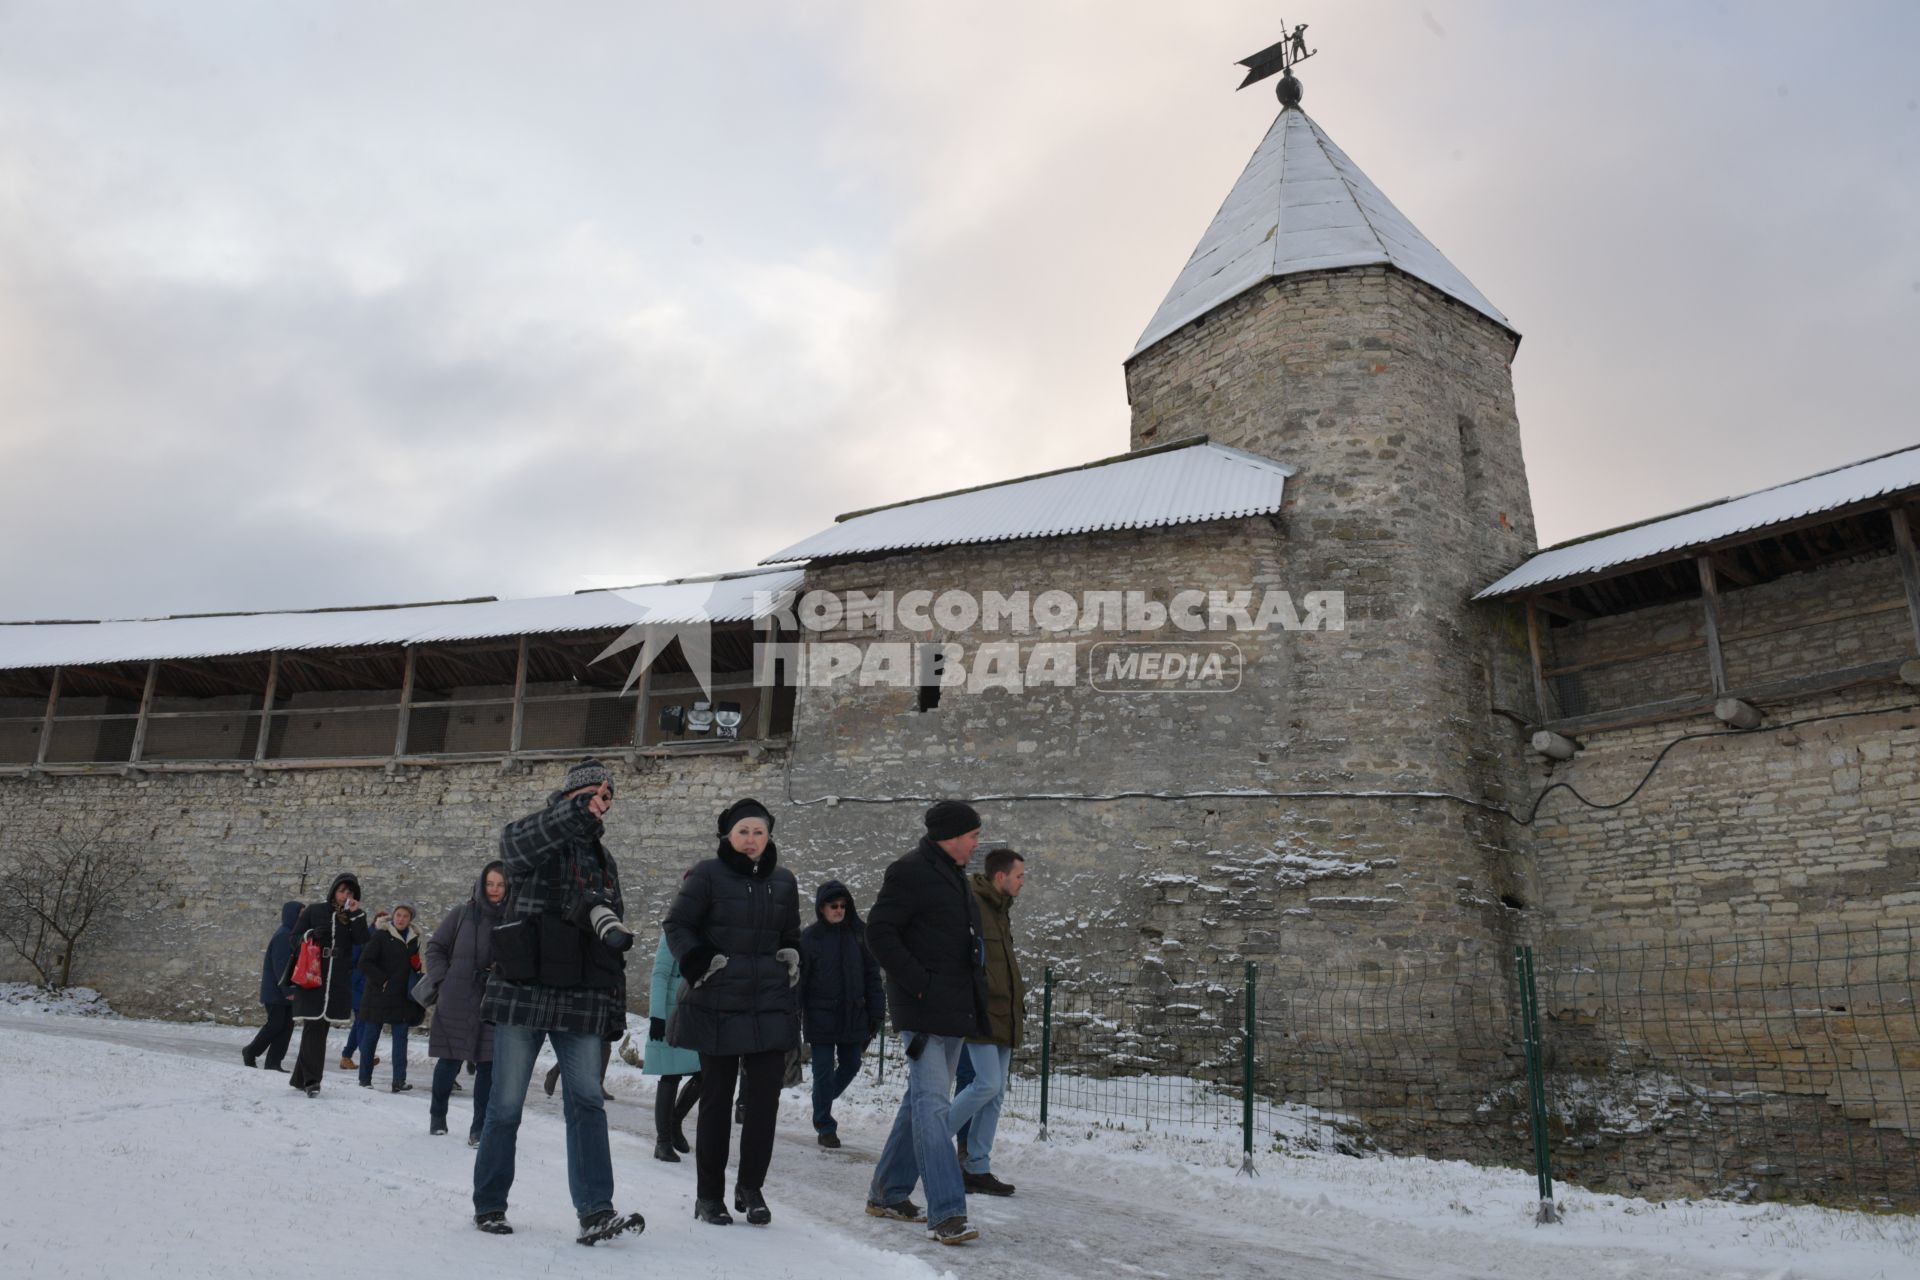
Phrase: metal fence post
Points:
(1046, 1046)
(1246, 1079)
(881, 1078)
(1536, 1083)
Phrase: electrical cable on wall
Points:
(1254, 793)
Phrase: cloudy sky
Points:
(309, 304)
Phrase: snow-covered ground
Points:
(145, 1148)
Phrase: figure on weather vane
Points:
(1281, 57)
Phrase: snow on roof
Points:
(728, 598)
(1302, 205)
(1181, 483)
(1727, 518)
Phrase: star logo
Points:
(670, 612)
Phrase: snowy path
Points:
(1101, 1205)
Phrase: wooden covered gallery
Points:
(1804, 589)
(469, 680)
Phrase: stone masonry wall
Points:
(228, 853)
(1731, 954)
(1739, 833)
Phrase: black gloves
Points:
(657, 1029)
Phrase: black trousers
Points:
(671, 1102)
(762, 1072)
(312, 1057)
(273, 1038)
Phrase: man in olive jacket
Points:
(925, 931)
(978, 1104)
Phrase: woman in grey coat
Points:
(457, 957)
(735, 929)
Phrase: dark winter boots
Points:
(749, 1201)
(986, 1184)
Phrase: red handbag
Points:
(306, 969)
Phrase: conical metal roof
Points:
(1302, 205)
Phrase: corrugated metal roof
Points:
(1727, 518)
(1176, 484)
(1302, 205)
(723, 599)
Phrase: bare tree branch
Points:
(57, 887)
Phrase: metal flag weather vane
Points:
(1281, 57)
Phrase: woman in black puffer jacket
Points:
(391, 963)
(735, 929)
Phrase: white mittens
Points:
(791, 959)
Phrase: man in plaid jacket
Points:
(554, 859)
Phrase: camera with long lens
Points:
(594, 914)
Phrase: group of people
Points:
(537, 954)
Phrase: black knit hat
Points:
(748, 808)
(950, 818)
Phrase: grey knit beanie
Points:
(588, 773)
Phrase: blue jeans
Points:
(372, 1042)
(961, 1079)
(361, 1030)
(830, 1082)
(589, 1162)
(920, 1148)
(445, 1072)
(978, 1105)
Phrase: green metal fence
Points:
(1778, 1067)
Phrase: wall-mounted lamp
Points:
(1554, 746)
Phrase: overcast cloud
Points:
(316, 304)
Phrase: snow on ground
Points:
(131, 1148)
(118, 1160)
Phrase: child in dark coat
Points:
(842, 1000)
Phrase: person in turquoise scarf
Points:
(678, 1069)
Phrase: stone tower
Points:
(1315, 325)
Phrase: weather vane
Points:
(1281, 57)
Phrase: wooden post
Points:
(768, 679)
(519, 700)
(46, 725)
(406, 706)
(1710, 602)
(146, 704)
(643, 707)
(1909, 567)
(266, 706)
(1533, 649)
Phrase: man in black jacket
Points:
(925, 930)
